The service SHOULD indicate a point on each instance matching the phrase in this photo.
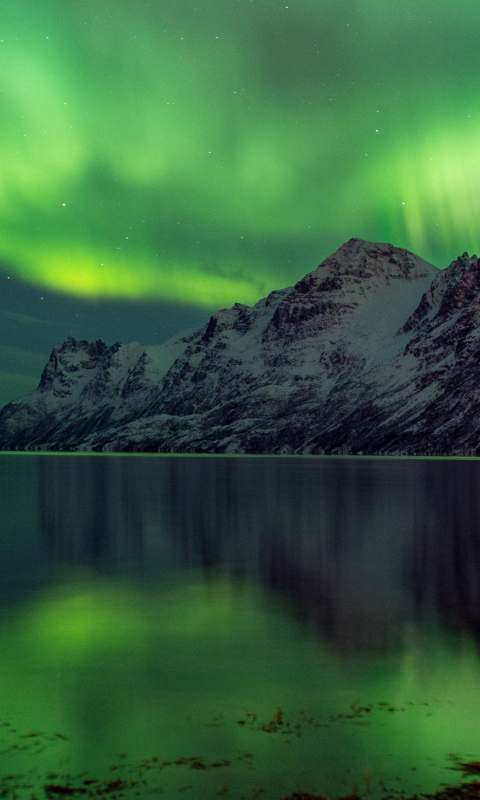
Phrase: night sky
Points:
(161, 160)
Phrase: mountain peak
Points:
(349, 285)
(363, 259)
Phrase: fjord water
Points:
(264, 625)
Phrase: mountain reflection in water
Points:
(238, 626)
(361, 546)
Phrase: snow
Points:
(323, 361)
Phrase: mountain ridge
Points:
(373, 352)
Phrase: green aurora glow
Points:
(208, 151)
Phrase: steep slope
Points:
(442, 400)
(268, 379)
(375, 351)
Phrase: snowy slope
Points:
(375, 351)
(86, 386)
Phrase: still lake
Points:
(244, 627)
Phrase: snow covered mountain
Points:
(375, 352)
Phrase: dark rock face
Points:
(374, 352)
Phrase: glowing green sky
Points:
(208, 151)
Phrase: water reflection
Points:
(442, 565)
(170, 606)
(361, 548)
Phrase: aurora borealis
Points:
(204, 152)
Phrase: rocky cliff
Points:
(374, 352)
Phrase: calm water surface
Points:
(264, 625)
